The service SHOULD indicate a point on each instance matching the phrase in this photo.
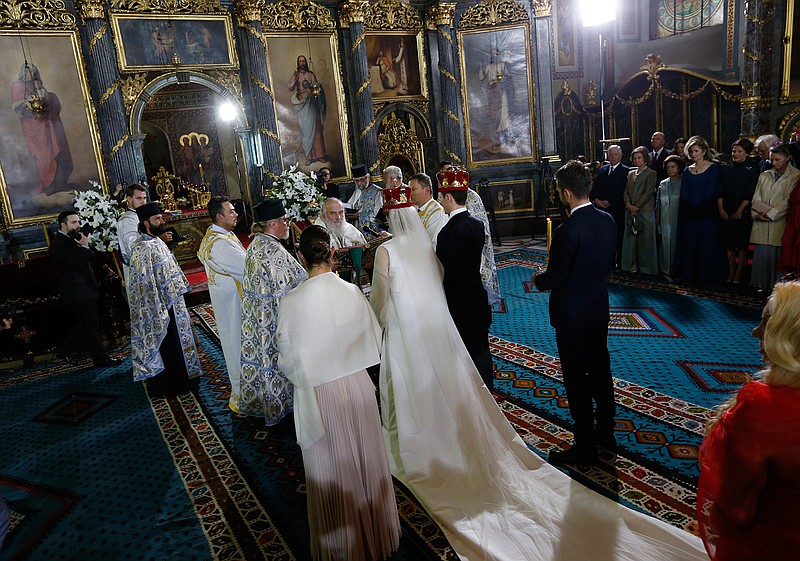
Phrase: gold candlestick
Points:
(549, 235)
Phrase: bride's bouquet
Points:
(299, 193)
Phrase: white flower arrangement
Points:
(299, 193)
(101, 213)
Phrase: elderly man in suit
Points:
(658, 155)
(72, 259)
(581, 257)
(609, 188)
(459, 247)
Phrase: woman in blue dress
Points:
(698, 256)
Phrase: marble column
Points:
(756, 67)
(123, 158)
(259, 94)
(352, 17)
(440, 17)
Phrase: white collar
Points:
(458, 210)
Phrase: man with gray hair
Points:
(429, 210)
(609, 188)
(762, 145)
(392, 177)
(343, 234)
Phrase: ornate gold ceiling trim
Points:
(36, 14)
(386, 15)
(297, 15)
(491, 13)
(167, 6)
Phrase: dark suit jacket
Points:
(581, 257)
(459, 247)
(73, 266)
(657, 164)
(610, 187)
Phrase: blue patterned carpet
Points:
(93, 469)
(675, 355)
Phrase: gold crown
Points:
(397, 197)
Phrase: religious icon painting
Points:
(49, 138)
(498, 95)
(396, 65)
(309, 101)
(671, 17)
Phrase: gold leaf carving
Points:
(91, 9)
(35, 14)
(391, 14)
(440, 14)
(541, 8)
(492, 13)
(228, 80)
(397, 139)
(131, 87)
(352, 11)
(249, 10)
(297, 15)
(168, 6)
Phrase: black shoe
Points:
(576, 455)
(66, 358)
(108, 361)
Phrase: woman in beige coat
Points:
(639, 242)
(769, 208)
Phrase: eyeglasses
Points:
(323, 174)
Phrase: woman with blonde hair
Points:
(748, 499)
(698, 256)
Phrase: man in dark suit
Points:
(581, 257)
(658, 154)
(459, 247)
(72, 258)
(608, 190)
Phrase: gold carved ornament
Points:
(356, 42)
(352, 11)
(397, 139)
(38, 14)
(541, 8)
(784, 131)
(439, 15)
(249, 10)
(493, 13)
(96, 37)
(297, 15)
(168, 6)
(91, 9)
(228, 79)
(391, 14)
(108, 93)
(131, 87)
(261, 85)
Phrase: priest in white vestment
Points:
(343, 234)
(128, 225)
(269, 273)
(163, 347)
(430, 211)
(223, 257)
(450, 444)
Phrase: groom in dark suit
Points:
(459, 247)
(609, 189)
(581, 257)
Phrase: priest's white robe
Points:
(223, 257)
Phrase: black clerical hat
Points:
(147, 210)
(359, 170)
(269, 209)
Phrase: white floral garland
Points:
(299, 193)
(101, 213)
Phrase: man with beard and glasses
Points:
(163, 347)
(308, 98)
(343, 234)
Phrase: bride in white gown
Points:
(450, 444)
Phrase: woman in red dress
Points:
(748, 498)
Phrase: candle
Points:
(549, 235)
(202, 176)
